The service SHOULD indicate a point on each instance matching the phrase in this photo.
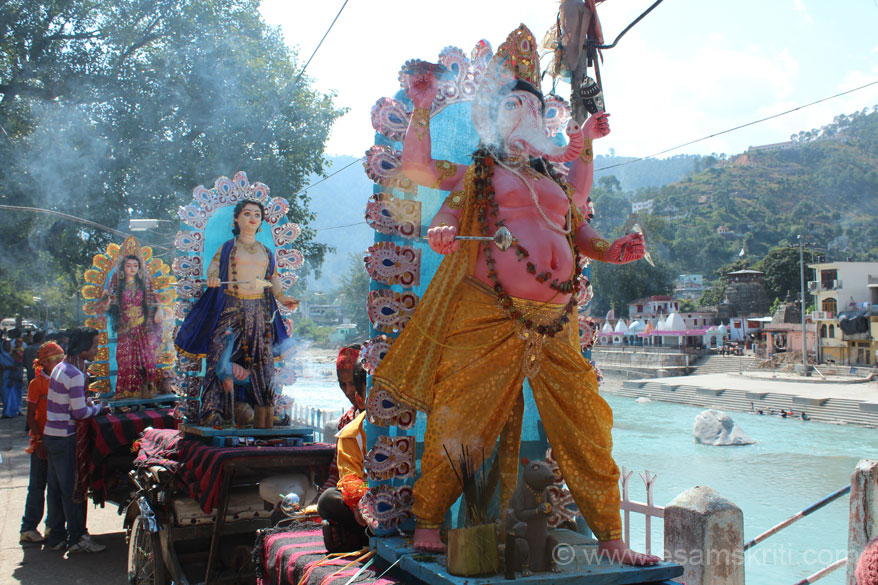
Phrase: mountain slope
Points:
(824, 188)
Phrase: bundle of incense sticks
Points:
(473, 484)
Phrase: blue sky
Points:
(689, 69)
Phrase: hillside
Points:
(642, 174)
(340, 201)
(825, 187)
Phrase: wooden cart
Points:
(167, 544)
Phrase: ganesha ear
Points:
(524, 461)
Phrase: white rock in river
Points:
(643, 399)
(714, 427)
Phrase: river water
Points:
(792, 465)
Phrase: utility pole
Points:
(805, 369)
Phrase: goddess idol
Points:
(136, 317)
(242, 296)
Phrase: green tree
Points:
(610, 183)
(308, 329)
(782, 271)
(120, 108)
(687, 305)
(713, 294)
(353, 293)
(716, 293)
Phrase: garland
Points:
(483, 163)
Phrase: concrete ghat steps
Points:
(718, 364)
(832, 410)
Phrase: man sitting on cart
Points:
(343, 525)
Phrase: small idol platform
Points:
(578, 549)
(288, 431)
(155, 401)
(248, 436)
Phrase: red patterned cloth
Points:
(83, 464)
(347, 358)
(99, 438)
(285, 557)
(201, 465)
(160, 447)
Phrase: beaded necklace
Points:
(483, 163)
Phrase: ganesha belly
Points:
(493, 317)
(236, 326)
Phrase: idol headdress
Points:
(517, 60)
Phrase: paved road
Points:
(31, 565)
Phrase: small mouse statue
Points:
(528, 543)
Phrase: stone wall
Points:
(632, 363)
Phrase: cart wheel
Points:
(145, 564)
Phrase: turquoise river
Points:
(792, 465)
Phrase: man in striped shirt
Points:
(67, 402)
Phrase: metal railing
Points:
(823, 572)
(314, 418)
(648, 509)
(795, 518)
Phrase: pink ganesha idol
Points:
(495, 315)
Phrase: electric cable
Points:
(739, 127)
(291, 87)
(75, 219)
(327, 177)
(637, 159)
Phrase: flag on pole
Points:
(741, 253)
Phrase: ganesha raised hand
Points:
(423, 88)
(624, 250)
(597, 126)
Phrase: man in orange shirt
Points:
(352, 381)
(343, 525)
(344, 529)
(49, 355)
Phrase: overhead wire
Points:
(73, 218)
(291, 86)
(739, 127)
(327, 177)
(641, 158)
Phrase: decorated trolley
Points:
(403, 268)
(201, 492)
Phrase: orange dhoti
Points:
(476, 395)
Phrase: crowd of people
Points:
(18, 350)
(54, 369)
(56, 376)
(781, 413)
